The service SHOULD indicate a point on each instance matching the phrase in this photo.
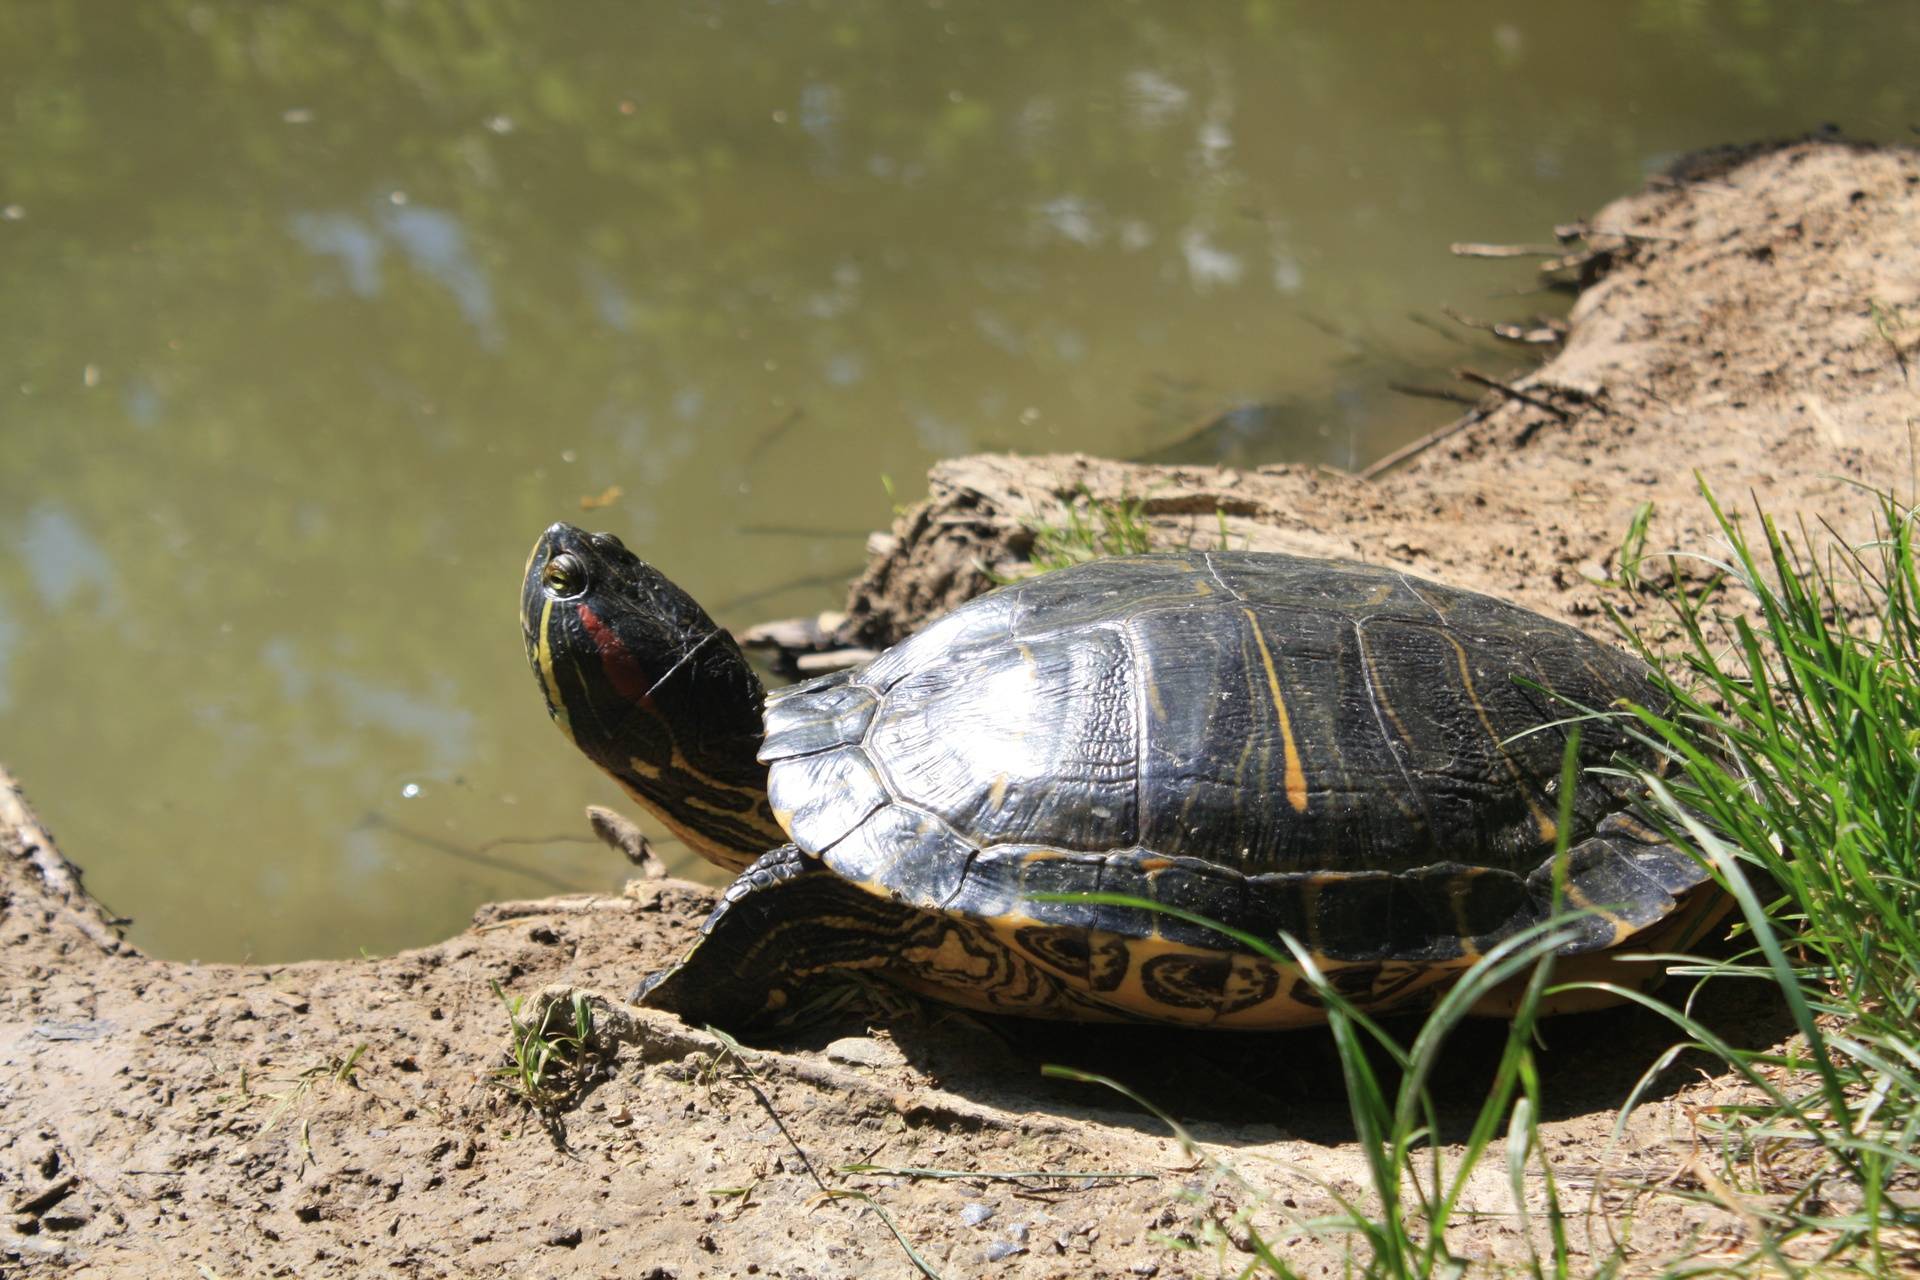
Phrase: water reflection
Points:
(64, 561)
(431, 239)
(348, 240)
(433, 724)
(434, 242)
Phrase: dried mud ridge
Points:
(337, 1118)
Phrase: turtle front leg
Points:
(784, 925)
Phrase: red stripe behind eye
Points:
(629, 679)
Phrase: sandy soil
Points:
(336, 1118)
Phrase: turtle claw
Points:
(645, 986)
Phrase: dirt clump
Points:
(1755, 322)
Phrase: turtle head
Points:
(651, 689)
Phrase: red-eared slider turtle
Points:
(1360, 759)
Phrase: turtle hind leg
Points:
(1639, 896)
(783, 930)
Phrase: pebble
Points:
(1000, 1250)
(976, 1213)
(862, 1051)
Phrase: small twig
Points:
(1635, 233)
(47, 1197)
(1512, 393)
(1468, 249)
(990, 1175)
(1380, 466)
(826, 1193)
(754, 1083)
(819, 664)
(1539, 333)
(621, 835)
(1554, 269)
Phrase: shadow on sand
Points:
(1240, 1087)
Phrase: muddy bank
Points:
(1755, 323)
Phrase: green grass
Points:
(553, 1056)
(1795, 736)
(1089, 527)
(1793, 744)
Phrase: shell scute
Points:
(1031, 743)
(820, 798)
(816, 717)
(908, 855)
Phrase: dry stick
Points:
(1512, 393)
(1467, 249)
(1529, 335)
(43, 1200)
(1380, 466)
(754, 1082)
(1532, 335)
(623, 836)
(1636, 233)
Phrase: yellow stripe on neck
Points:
(699, 841)
(543, 658)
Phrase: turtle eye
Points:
(564, 577)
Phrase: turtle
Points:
(1340, 753)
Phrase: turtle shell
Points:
(1358, 758)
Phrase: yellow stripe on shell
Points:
(1296, 777)
(1543, 822)
(1622, 927)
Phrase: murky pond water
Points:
(315, 313)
